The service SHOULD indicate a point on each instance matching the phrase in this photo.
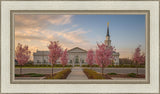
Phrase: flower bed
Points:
(60, 75)
(91, 74)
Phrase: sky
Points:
(126, 31)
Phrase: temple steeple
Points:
(107, 41)
(107, 29)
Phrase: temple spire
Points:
(107, 29)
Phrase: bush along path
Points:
(91, 74)
(77, 74)
(59, 75)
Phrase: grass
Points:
(112, 73)
(30, 75)
(17, 75)
(132, 75)
(35, 75)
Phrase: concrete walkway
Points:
(77, 74)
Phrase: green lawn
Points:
(30, 75)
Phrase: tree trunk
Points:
(20, 69)
(137, 68)
(52, 71)
(63, 67)
(102, 70)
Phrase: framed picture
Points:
(80, 47)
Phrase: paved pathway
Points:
(77, 74)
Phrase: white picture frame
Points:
(8, 87)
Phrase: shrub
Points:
(61, 75)
(37, 75)
(92, 74)
(85, 65)
(68, 66)
(112, 73)
(95, 65)
(30, 75)
(44, 65)
(17, 75)
(89, 65)
(34, 75)
(132, 75)
(109, 66)
(49, 65)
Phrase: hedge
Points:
(91, 74)
(56, 65)
(112, 73)
(60, 75)
(132, 75)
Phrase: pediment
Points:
(77, 50)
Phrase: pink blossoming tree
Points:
(22, 55)
(138, 58)
(90, 57)
(55, 53)
(103, 55)
(64, 58)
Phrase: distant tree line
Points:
(127, 61)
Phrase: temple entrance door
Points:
(76, 60)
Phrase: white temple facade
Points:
(76, 56)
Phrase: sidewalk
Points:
(77, 74)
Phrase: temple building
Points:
(76, 55)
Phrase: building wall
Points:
(116, 60)
(41, 58)
(81, 58)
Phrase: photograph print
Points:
(79, 47)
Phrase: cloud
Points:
(58, 20)
(74, 25)
(36, 22)
(32, 30)
(75, 36)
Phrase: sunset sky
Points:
(84, 31)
